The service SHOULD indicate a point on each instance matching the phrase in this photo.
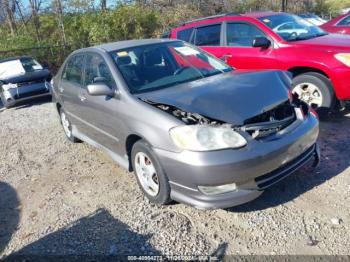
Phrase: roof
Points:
(210, 17)
(131, 43)
(13, 58)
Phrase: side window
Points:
(242, 34)
(208, 35)
(185, 34)
(344, 22)
(97, 71)
(73, 70)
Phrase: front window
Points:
(152, 67)
(18, 67)
(291, 27)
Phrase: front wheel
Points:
(67, 127)
(151, 178)
(316, 90)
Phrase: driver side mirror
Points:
(99, 89)
(261, 42)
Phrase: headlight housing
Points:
(206, 138)
(344, 58)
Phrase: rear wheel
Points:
(151, 178)
(67, 127)
(316, 90)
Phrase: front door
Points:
(238, 50)
(100, 114)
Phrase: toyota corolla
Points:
(191, 128)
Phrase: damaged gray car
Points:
(191, 128)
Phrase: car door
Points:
(100, 114)
(238, 50)
(209, 38)
(70, 86)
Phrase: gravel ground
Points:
(62, 198)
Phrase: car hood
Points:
(230, 97)
(328, 42)
(28, 77)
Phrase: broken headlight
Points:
(206, 138)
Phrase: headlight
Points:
(206, 138)
(344, 58)
(6, 87)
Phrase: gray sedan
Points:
(191, 128)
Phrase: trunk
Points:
(59, 12)
(103, 5)
(10, 9)
(35, 8)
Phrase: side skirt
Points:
(122, 161)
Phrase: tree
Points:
(9, 8)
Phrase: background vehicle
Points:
(190, 127)
(314, 19)
(319, 62)
(22, 78)
(340, 25)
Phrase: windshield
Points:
(18, 67)
(152, 67)
(291, 27)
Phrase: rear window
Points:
(185, 34)
(208, 35)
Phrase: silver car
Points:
(22, 78)
(191, 128)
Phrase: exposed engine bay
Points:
(262, 125)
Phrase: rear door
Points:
(238, 50)
(209, 38)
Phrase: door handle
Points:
(225, 57)
(82, 98)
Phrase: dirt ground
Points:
(59, 198)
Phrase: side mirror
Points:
(99, 89)
(261, 42)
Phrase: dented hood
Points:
(231, 97)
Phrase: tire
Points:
(67, 129)
(162, 196)
(324, 90)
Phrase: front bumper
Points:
(14, 95)
(253, 168)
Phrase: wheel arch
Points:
(298, 70)
(129, 143)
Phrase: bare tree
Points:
(35, 6)
(9, 8)
(103, 4)
(59, 15)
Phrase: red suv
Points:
(318, 61)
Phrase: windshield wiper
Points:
(299, 38)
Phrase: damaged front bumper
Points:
(254, 168)
(15, 93)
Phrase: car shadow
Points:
(97, 236)
(334, 141)
(9, 214)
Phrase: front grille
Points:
(270, 122)
(273, 177)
